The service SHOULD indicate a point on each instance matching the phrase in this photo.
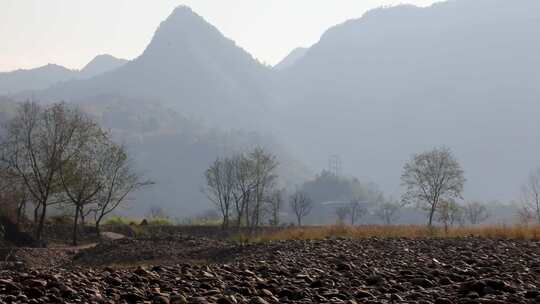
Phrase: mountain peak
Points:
(182, 17)
(101, 64)
(183, 31)
(182, 9)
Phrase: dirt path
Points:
(105, 235)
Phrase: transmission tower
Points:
(334, 164)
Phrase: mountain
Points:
(291, 59)
(46, 76)
(191, 96)
(373, 90)
(191, 67)
(173, 151)
(99, 65)
(33, 79)
(404, 79)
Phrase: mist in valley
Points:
(341, 117)
(391, 157)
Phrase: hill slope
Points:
(34, 79)
(46, 76)
(99, 65)
(374, 90)
(190, 66)
(291, 59)
(400, 80)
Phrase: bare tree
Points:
(275, 205)
(263, 166)
(220, 186)
(388, 211)
(253, 182)
(448, 212)
(525, 215)
(456, 214)
(342, 213)
(475, 212)
(531, 195)
(301, 205)
(356, 210)
(81, 177)
(243, 189)
(431, 177)
(38, 142)
(119, 180)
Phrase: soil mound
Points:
(169, 250)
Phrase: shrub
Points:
(159, 221)
(62, 219)
(121, 220)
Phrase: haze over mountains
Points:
(464, 74)
(374, 90)
(51, 74)
(291, 59)
(191, 67)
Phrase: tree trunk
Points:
(81, 214)
(39, 232)
(36, 214)
(240, 216)
(248, 215)
(82, 221)
(76, 224)
(98, 227)
(276, 218)
(225, 223)
(226, 218)
(431, 213)
(21, 210)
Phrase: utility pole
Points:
(334, 164)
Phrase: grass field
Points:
(521, 232)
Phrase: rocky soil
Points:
(187, 270)
(162, 251)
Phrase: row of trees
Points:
(57, 156)
(434, 180)
(244, 189)
(448, 213)
(385, 210)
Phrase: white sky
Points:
(72, 32)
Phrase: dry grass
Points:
(529, 232)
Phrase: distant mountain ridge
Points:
(190, 66)
(375, 90)
(101, 64)
(46, 76)
(34, 79)
(404, 79)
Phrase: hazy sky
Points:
(72, 32)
